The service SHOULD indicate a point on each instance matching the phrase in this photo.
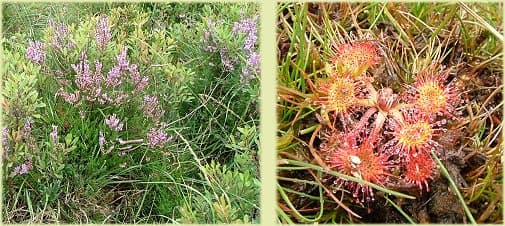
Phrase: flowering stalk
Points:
(60, 35)
(5, 141)
(101, 140)
(152, 108)
(157, 137)
(27, 129)
(248, 27)
(23, 169)
(113, 122)
(35, 52)
(54, 134)
(102, 32)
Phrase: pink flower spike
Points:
(113, 122)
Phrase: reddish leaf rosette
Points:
(419, 168)
(355, 57)
(339, 95)
(413, 133)
(354, 156)
(432, 96)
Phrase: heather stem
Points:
(129, 141)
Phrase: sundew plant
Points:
(125, 113)
(378, 106)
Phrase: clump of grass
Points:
(412, 39)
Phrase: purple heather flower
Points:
(119, 98)
(133, 68)
(252, 67)
(152, 108)
(157, 137)
(82, 114)
(245, 26)
(101, 101)
(5, 141)
(16, 170)
(23, 169)
(227, 61)
(208, 37)
(70, 98)
(84, 77)
(140, 81)
(122, 62)
(102, 32)
(87, 82)
(27, 129)
(98, 78)
(105, 98)
(248, 27)
(113, 122)
(54, 133)
(60, 37)
(98, 72)
(101, 140)
(94, 95)
(249, 44)
(83, 80)
(254, 60)
(211, 43)
(35, 52)
(113, 78)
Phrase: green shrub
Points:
(81, 139)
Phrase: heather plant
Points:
(19, 84)
(219, 60)
(110, 119)
(373, 119)
(21, 102)
(111, 83)
(216, 79)
(234, 41)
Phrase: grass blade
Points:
(454, 188)
(400, 210)
(482, 21)
(320, 169)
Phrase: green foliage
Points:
(21, 102)
(233, 193)
(75, 179)
(30, 18)
(19, 89)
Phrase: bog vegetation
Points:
(130, 113)
(390, 113)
